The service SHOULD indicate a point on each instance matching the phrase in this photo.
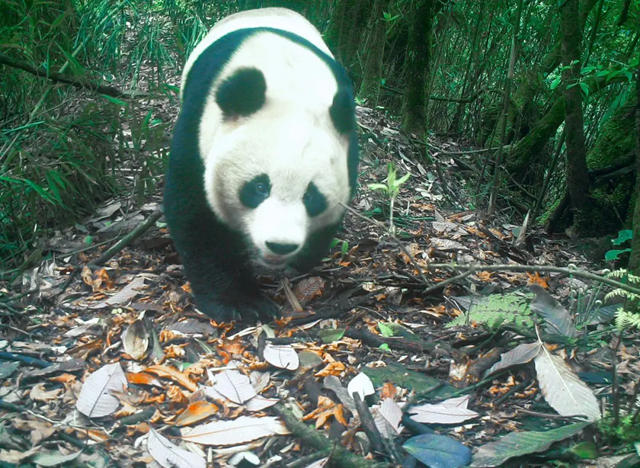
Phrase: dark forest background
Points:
(543, 94)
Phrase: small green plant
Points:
(627, 316)
(391, 188)
(623, 236)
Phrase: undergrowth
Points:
(63, 150)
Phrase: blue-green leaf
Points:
(438, 451)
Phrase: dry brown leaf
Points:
(326, 409)
(235, 346)
(333, 368)
(38, 393)
(174, 374)
(308, 288)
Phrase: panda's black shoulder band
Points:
(342, 111)
(242, 93)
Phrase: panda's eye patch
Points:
(313, 200)
(255, 191)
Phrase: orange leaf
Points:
(234, 346)
(535, 278)
(142, 378)
(195, 412)
(63, 378)
(173, 374)
(484, 276)
(388, 391)
(333, 368)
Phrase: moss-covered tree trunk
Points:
(577, 176)
(374, 51)
(417, 60)
(524, 108)
(634, 261)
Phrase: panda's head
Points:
(276, 168)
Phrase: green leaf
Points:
(585, 450)
(378, 186)
(406, 378)
(116, 101)
(517, 444)
(385, 330)
(384, 347)
(329, 335)
(623, 236)
(555, 83)
(435, 450)
(613, 255)
(585, 88)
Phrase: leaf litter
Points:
(453, 376)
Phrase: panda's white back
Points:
(277, 18)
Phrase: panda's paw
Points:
(241, 307)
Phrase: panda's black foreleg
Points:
(218, 269)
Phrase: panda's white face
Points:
(277, 176)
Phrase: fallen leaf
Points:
(169, 455)
(195, 412)
(563, 389)
(135, 340)
(451, 411)
(517, 444)
(95, 399)
(362, 385)
(235, 386)
(521, 354)
(241, 430)
(38, 393)
(282, 356)
(174, 374)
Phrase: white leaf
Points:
(123, 296)
(238, 431)
(169, 455)
(234, 386)
(135, 340)
(282, 356)
(258, 403)
(563, 389)
(95, 399)
(521, 354)
(451, 411)
(362, 385)
(387, 417)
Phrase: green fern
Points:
(625, 318)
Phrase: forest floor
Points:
(485, 359)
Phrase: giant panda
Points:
(263, 159)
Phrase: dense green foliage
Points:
(489, 74)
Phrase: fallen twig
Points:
(309, 436)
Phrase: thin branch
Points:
(53, 76)
(537, 268)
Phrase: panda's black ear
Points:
(242, 93)
(342, 111)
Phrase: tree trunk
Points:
(372, 69)
(634, 261)
(577, 176)
(417, 59)
(505, 107)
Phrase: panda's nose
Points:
(281, 249)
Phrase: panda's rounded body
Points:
(263, 159)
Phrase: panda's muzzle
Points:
(281, 249)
